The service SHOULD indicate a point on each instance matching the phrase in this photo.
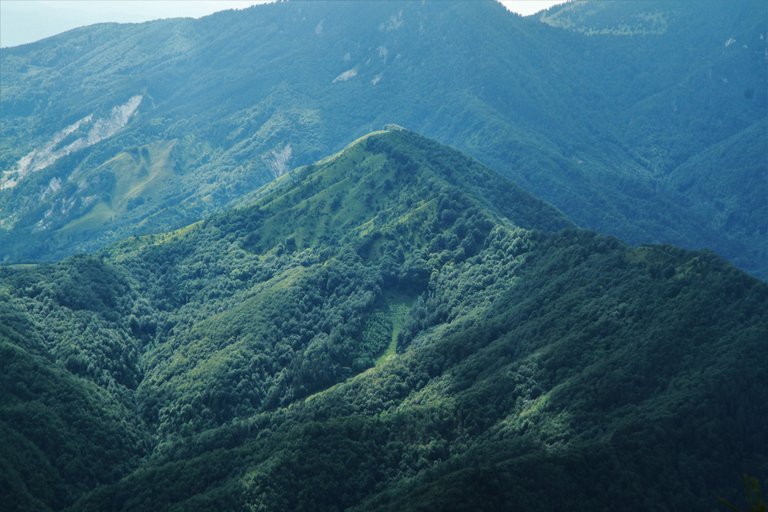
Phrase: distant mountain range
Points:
(230, 279)
(642, 120)
(395, 327)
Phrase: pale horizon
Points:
(27, 21)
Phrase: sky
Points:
(25, 21)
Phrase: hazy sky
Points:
(24, 21)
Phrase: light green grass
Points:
(100, 214)
(398, 308)
(138, 173)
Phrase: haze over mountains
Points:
(624, 116)
(288, 301)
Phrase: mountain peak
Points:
(384, 180)
(361, 305)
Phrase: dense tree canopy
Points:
(392, 328)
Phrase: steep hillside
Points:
(695, 114)
(68, 371)
(395, 328)
(114, 130)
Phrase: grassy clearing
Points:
(397, 309)
(139, 175)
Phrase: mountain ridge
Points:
(591, 124)
(427, 347)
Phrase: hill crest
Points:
(370, 324)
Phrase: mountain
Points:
(395, 327)
(641, 120)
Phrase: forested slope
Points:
(608, 110)
(392, 328)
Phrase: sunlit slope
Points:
(592, 110)
(395, 327)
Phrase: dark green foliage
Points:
(753, 496)
(61, 435)
(392, 328)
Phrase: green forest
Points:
(394, 327)
(390, 256)
(643, 120)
